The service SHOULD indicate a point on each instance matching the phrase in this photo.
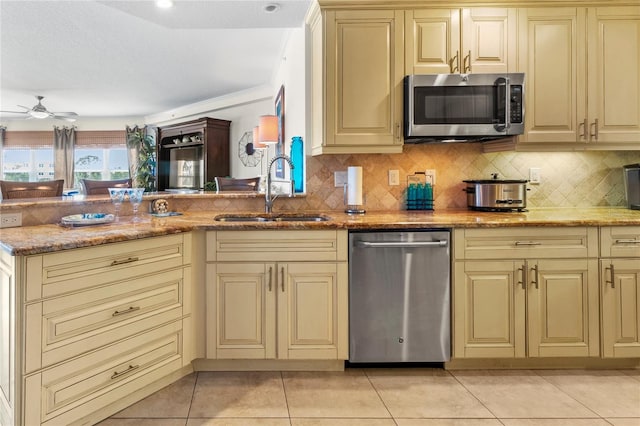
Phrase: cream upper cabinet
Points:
(289, 301)
(8, 373)
(614, 76)
(620, 291)
(526, 292)
(582, 67)
(442, 41)
(356, 81)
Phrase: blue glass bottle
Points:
(297, 157)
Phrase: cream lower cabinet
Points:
(620, 291)
(525, 292)
(93, 327)
(277, 309)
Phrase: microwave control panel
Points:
(516, 103)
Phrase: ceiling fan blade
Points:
(63, 117)
(15, 112)
(66, 114)
(22, 106)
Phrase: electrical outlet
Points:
(394, 177)
(430, 175)
(534, 175)
(9, 220)
(339, 179)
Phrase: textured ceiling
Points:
(129, 58)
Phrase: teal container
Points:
(297, 157)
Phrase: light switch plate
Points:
(534, 175)
(394, 177)
(339, 179)
(9, 220)
(430, 176)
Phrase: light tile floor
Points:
(387, 397)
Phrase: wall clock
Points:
(249, 156)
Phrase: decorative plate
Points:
(85, 219)
(249, 156)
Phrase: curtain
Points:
(2, 129)
(64, 140)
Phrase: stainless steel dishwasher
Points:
(399, 296)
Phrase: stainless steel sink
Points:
(271, 218)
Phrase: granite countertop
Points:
(53, 237)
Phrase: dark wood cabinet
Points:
(192, 153)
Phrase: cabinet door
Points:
(244, 298)
(614, 74)
(620, 307)
(312, 311)
(552, 45)
(8, 303)
(562, 314)
(432, 41)
(488, 40)
(489, 310)
(364, 72)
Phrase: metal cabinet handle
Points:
(583, 133)
(124, 261)
(535, 274)
(398, 131)
(455, 59)
(612, 282)
(282, 278)
(126, 311)
(524, 270)
(270, 276)
(528, 243)
(464, 63)
(131, 368)
(400, 244)
(594, 125)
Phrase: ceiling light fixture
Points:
(38, 114)
(271, 7)
(164, 4)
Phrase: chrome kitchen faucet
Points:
(268, 199)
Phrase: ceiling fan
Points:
(40, 111)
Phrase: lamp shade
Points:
(268, 129)
(256, 139)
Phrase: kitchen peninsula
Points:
(96, 318)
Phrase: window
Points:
(99, 155)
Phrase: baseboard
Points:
(542, 363)
(266, 365)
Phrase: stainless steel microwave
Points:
(463, 107)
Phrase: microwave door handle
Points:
(502, 127)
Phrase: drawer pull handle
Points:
(270, 276)
(628, 241)
(124, 261)
(126, 311)
(612, 282)
(131, 368)
(528, 243)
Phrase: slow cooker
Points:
(496, 194)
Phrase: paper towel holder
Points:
(352, 208)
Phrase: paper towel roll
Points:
(354, 186)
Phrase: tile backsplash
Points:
(568, 179)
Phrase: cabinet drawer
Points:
(80, 322)
(75, 389)
(73, 270)
(620, 241)
(273, 246)
(519, 243)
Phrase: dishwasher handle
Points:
(407, 244)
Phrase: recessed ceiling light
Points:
(272, 7)
(164, 4)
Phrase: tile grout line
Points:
(364, 371)
(474, 395)
(193, 393)
(536, 372)
(286, 400)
